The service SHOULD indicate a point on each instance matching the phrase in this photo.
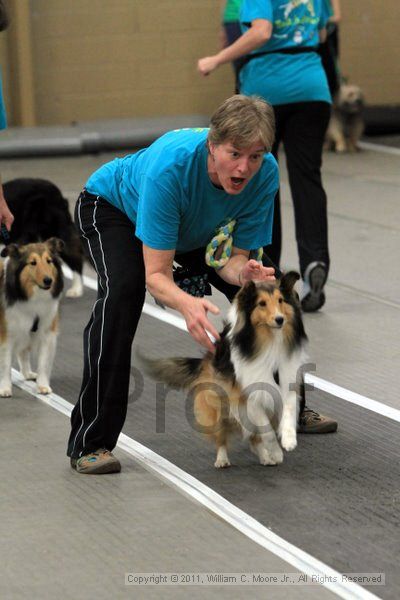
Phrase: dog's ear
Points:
(55, 245)
(246, 296)
(11, 250)
(248, 288)
(287, 282)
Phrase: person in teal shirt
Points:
(139, 214)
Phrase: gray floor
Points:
(336, 496)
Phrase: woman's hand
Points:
(258, 34)
(194, 312)
(254, 271)
(207, 64)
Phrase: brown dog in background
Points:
(347, 124)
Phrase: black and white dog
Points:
(41, 212)
(236, 388)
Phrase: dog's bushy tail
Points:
(178, 373)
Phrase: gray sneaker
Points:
(312, 422)
(315, 278)
(97, 463)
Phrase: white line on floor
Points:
(320, 384)
(218, 505)
(379, 148)
(353, 397)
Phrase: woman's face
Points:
(232, 168)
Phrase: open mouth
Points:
(238, 182)
(45, 287)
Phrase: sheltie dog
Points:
(252, 381)
(41, 212)
(31, 283)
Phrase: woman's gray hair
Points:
(243, 121)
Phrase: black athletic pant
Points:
(115, 252)
(301, 127)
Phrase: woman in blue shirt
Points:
(140, 213)
(280, 39)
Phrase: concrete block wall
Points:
(127, 58)
(99, 59)
(370, 48)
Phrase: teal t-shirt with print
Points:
(286, 78)
(166, 191)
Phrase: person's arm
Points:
(160, 283)
(322, 35)
(6, 215)
(259, 33)
(239, 269)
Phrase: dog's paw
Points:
(29, 376)
(270, 458)
(340, 148)
(5, 392)
(277, 454)
(44, 389)
(73, 293)
(288, 439)
(222, 460)
(222, 463)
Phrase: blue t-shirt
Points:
(286, 78)
(166, 191)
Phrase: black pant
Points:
(115, 252)
(329, 53)
(117, 255)
(233, 31)
(301, 127)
